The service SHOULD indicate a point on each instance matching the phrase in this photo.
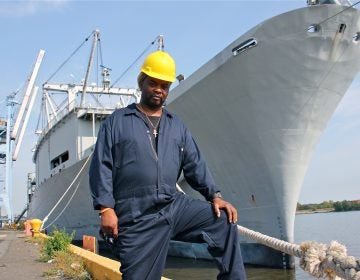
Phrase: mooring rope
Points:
(62, 197)
(319, 260)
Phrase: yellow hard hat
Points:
(160, 65)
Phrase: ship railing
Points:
(82, 111)
(58, 115)
(63, 111)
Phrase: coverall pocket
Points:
(124, 153)
(132, 208)
(178, 152)
(123, 210)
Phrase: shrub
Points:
(66, 264)
(59, 240)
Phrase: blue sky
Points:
(194, 32)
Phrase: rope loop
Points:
(319, 260)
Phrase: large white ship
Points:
(256, 109)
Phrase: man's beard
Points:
(154, 104)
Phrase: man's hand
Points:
(109, 222)
(219, 203)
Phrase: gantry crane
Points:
(12, 134)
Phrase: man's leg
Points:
(142, 248)
(195, 221)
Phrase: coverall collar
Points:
(131, 110)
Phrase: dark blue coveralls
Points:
(129, 175)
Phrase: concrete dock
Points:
(19, 259)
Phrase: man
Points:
(140, 153)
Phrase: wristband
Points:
(104, 210)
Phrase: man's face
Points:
(154, 92)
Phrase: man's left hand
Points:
(219, 203)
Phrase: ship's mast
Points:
(96, 38)
(83, 89)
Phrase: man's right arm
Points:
(100, 175)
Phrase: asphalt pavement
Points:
(19, 258)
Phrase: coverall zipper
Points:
(152, 146)
(157, 161)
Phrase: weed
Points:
(36, 240)
(59, 240)
(68, 266)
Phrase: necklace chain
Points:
(155, 127)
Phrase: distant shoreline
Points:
(326, 210)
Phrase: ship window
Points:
(252, 42)
(59, 159)
(64, 156)
(54, 163)
(342, 28)
(356, 37)
(313, 28)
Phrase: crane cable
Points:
(349, 7)
(136, 60)
(71, 55)
(64, 194)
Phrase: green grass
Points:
(66, 264)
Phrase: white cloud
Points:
(29, 7)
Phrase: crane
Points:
(14, 137)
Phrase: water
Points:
(343, 227)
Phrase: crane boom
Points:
(96, 37)
(23, 127)
(27, 94)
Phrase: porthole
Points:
(342, 28)
(314, 28)
(356, 37)
(252, 42)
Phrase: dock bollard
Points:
(35, 226)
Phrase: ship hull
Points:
(72, 211)
(256, 114)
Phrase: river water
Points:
(343, 227)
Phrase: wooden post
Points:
(89, 243)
